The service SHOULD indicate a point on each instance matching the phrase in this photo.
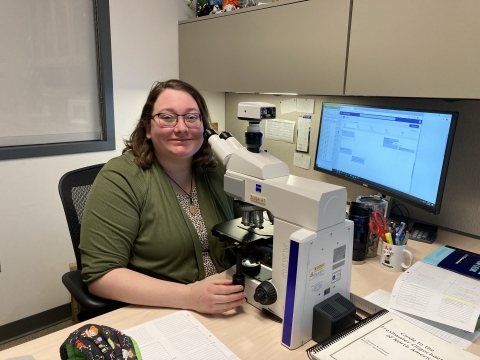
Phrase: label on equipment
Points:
(336, 276)
(258, 199)
(316, 272)
(339, 253)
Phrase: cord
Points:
(405, 219)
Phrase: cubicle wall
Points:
(460, 209)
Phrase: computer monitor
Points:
(400, 153)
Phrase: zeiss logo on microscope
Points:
(258, 188)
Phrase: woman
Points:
(145, 235)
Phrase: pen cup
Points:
(392, 257)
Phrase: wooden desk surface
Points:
(246, 331)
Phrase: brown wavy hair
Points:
(142, 148)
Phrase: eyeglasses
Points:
(168, 120)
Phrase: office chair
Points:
(74, 187)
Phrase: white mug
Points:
(392, 257)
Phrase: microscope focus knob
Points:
(265, 293)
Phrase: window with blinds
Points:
(55, 78)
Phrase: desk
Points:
(246, 331)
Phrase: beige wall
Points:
(216, 107)
(460, 209)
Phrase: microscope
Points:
(302, 254)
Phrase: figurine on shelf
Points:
(215, 9)
(229, 5)
(250, 3)
(203, 8)
(209, 7)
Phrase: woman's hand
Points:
(215, 296)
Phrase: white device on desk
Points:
(312, 240)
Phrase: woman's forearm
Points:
(135, 288)
(207, 296)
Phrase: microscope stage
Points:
(235, 230)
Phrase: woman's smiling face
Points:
(180, 142)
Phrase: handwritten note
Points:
(305, 105)
(288, 106)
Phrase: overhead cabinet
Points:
(411, 48)
(398, 48)
(282, 47)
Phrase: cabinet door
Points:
(415, 48)
(284, 47)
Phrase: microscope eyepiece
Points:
(225, 135)
(207, 133)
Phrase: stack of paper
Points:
(461, 338)
(436, 294)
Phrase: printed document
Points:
(461, 338)
(436, 294)
(278, 129)
(178, 336)
(386, 336)
(303, 132)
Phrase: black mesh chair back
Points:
(74, 187)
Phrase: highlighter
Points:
(388, 237)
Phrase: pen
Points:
(406, 237)
(400, 229)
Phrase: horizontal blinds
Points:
(48, 72)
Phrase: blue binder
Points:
(458, 260)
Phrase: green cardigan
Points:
(133, 219)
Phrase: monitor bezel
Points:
(384, 190)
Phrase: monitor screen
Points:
(397, 152)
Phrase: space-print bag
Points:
(99, 342)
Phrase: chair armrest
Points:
(79, 290)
